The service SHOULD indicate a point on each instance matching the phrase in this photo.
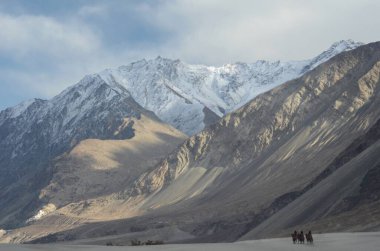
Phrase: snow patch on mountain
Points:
(47, 209)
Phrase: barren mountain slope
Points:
(86, 176)
(95, 167)
(346, 200)
(34, 133)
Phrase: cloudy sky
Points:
(46, 46)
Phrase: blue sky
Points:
(47, 45)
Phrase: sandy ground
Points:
(323, 242)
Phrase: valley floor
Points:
(334, 241)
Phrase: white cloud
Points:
(21, 35)
(48, 55)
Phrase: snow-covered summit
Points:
(191, 96)
(344, 45)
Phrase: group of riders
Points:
(299, 237)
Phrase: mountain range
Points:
(112, 151)
(190, 97)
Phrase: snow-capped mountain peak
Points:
(334, 49)
(344, 45)
(91, 108)
(189, 97)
